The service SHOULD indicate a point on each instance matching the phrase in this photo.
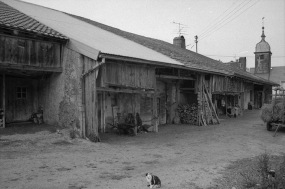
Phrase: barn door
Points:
(91, 102)
(21, 99)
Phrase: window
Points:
(283, 84)
(262, 57)
(21, 92)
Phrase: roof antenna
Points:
(181, 28)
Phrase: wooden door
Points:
(90, 101)
(21, 99)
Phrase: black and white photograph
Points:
(134, 94)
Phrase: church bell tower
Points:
(262, 57)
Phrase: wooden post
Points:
(208, 95)
(155, 116)
(4, 94)
(103, 112)
(226, 104)
(209, 109)
(81, 103)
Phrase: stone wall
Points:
(60, 94)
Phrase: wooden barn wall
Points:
(130, 75)
(90, 98)
(19, 108)
(161, 102)
(146, 109)
(29, 52)
(224, 84)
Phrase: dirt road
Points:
(182, 156)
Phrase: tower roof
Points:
(262, 46)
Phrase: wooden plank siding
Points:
(225, 84)
(129, 75)
(90, 98)
(20, 52)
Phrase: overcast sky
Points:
(226, 29)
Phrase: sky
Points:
(226, 29)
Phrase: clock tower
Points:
(262, 58)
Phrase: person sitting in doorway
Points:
(229, 110)
(249, 105)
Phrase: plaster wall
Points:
(60, 94)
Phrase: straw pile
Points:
(273, 114)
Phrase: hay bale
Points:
(276, 113)
(266, 113)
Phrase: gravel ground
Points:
(182, 156)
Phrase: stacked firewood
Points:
(188, 113)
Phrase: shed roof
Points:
(12, 18)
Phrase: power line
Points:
(242, 56)
(229, 21)
(218, 17)
(221, 20)
(220, 23)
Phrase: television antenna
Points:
(181, 28)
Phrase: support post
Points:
(155, 116)
(103, 112)
(4, 94)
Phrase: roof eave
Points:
(156, 63)
(59, 38)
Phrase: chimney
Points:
(179, 41)
(242, 61)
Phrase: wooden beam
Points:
(128, 87)
(117, 90)
(4, 106)
(174, 77)
(155, 116)
(93, 69)
(7, 66)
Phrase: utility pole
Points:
(196, 41)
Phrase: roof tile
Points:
(10, 17)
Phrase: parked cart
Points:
(274, 114)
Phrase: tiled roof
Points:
(247, 75)
(12, 18)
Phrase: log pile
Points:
(188, 113)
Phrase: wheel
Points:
(268, 126)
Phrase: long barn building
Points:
(88, 76)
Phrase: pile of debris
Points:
(188, 113)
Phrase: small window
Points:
(262, 57)
(21, 92)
